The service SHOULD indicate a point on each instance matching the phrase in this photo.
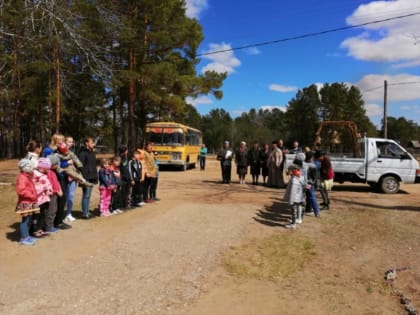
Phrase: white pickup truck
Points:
(381, 163)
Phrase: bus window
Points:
(175, 138)
(154, 137)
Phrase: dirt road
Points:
(174, 256)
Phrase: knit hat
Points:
(62, 148)
(26, 165)
(54, 159)
(44, 163)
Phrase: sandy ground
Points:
(167, 257)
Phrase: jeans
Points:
(311, 202)
(202, 162)
(24, 226)
(71, 189)
(87, 192)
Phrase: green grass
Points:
(271, 258)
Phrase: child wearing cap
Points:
(71, 163)
(294, 194)
(27, 200)
(43, 190)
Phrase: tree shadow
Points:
(379, 206)
(362, 188)
(14, 235)
(278, 214)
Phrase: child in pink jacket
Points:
(44, 190)
(27, 199)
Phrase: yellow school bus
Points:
(174, 143)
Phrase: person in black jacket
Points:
(87, 156)
(125, 177)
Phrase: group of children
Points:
(123, 184)
(305, 179)
(37, 187)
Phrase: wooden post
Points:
(385, 123)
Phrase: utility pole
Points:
(385, 123)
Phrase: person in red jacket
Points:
(27, 199)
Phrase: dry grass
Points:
(272, 258)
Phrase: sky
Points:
(269, 76)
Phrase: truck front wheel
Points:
(390, 185)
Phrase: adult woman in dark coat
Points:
(264, 154)
(254, 161)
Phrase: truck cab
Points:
(388, 164)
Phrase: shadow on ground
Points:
(13, 235)
(278, 214)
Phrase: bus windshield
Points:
(166, 136)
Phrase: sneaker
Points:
(119, 211)
(105, 214)
(298, 221)
(309, 213)
(141, 204)
(155, 199)
(34, 239)
(69, 218)
(52, 230)
(63, 226)
(27, 241)
(86, 216)
(290, 226)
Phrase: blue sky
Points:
(269, 76)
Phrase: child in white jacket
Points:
(295, 195)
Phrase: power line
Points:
(307, 35)
(392, 84)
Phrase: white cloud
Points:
(195, 7)
(221, 62)
(410, 108)
(282, 88)
(373, 110)
(391, 41)
(253, 51)
(271, 107)
(401, 87)
(201, 100)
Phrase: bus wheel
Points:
(185, 166)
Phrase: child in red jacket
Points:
(27, 199)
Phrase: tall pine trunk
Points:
(17, 145)
(132, 139)
(57, 61)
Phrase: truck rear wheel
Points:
(390, 185)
